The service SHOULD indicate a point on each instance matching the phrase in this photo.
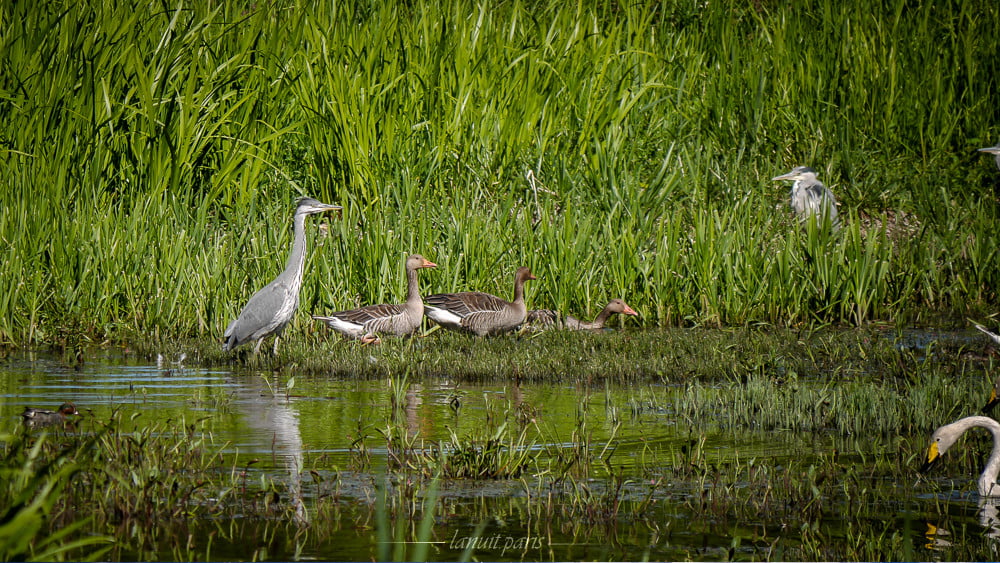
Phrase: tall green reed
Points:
(152, 154)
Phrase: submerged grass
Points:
(695, 486)
(152, 154)
(105, 476)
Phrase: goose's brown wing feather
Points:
(466, 303)
(494, 322)
(362, 315)
(542, 316)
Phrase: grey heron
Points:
(809, 197)
(994, 151)
(270, 309)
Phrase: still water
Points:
(297, 431)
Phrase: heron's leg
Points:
(256, 347)
(276, 338)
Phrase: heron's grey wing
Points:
(819, 192)
(262, 313)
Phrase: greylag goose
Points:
(480, 313)
(270, 309)
(366, 323)
(809, 197)
(542, 317)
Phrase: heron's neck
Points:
(296, 260)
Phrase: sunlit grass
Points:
(152, 154)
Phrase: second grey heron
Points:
(270, 309)
(994, 151)
(809, 197)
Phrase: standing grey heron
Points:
(270, 309)
(809, 197)
(995, 151)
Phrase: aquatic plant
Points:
(35, 476)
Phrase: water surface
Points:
(293, 435)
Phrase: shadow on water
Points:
(617, 471)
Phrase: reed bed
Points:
(151, 155)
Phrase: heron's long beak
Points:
(788, 176)
(991, 150)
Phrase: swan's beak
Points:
(992, 402)
(932, 456)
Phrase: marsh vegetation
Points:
(768, 402)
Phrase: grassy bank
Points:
(151, 154)
(849, 382)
